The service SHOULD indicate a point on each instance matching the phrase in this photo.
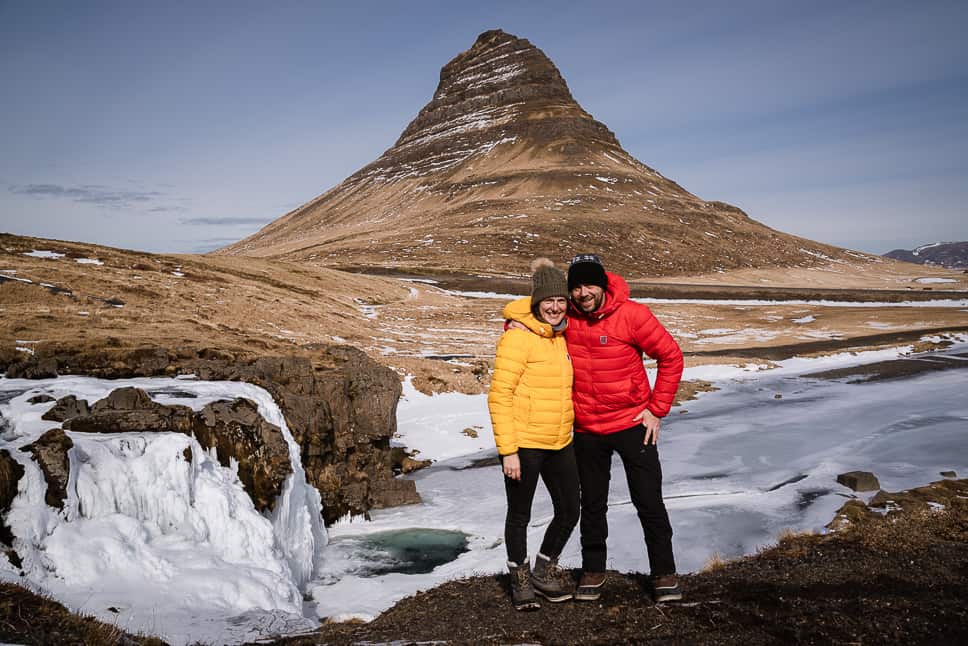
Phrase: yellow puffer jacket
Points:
(530, 396)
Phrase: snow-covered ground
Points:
(192, 560)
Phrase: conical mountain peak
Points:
(502, 90)
(499, 74)
(502, 166)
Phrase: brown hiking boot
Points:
(522, 594)
(550, 581)
(590, 586)
(666, 588)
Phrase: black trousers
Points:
(644, 475)
(560, 474)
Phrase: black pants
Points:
(560, 475)
(644, 476)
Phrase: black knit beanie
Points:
(546, 281)
(586, 269)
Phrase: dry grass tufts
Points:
(908, 530)
(29, 618)
(690, 389)
(714, 563)
(791, 544)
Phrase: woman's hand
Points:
(512, 466)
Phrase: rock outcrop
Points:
(65, 408)
(859, 480)
(237, 431)
(50, 453)
(503, 165)
(339, 404)
(11, 472)
(131, 410)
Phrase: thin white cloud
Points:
(227, 221)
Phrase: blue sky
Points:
(183, 126)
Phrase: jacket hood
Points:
(520, 310)
(616, 294)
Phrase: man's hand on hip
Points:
(651, 424)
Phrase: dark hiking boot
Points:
(522, 594)
(550, 581)
(666, 588)
(590, 586)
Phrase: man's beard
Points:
(590, 304)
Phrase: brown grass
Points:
(907, 530)
(29, 618)
(715, 562)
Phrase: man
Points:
(616, 411)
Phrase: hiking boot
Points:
(522, 594)
(550, 581)
(590, 586)
(666, 588)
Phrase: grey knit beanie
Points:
(546, 281)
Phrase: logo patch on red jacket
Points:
(603, 339)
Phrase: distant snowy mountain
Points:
(953, 255)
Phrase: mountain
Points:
(503, 165)
(953, 255)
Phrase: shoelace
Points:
(562, 576)
(557, 574)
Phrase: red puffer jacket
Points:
(606, 348)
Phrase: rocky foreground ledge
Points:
(897, 577)
(887, 578)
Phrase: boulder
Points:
(42, 398)
(859, 480)
(50, 453)
(237, 431)
(128, 410)
(66, 408)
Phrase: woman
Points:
(531, 412)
